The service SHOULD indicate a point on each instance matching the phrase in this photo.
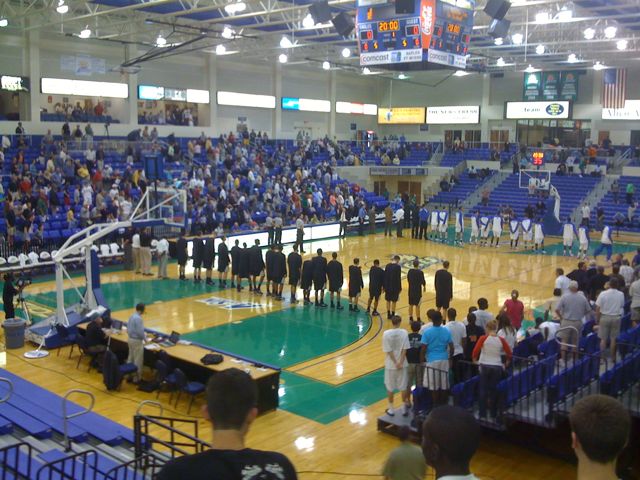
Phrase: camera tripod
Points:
(22, 304)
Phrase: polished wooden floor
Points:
(349, 445)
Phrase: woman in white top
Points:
(527, 232)
(489, 353)
(538, 236)
(506, 330)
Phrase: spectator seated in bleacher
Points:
(472, 172)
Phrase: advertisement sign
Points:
(401, 115)
(305, 104)
(532, 86)
(14, 84)
(537, 110)
(631, 111)
(391, 56)
(454, 115)
(356, 108)
(150, 92)
(427, 20)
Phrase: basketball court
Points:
(331, 384)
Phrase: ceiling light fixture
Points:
(598, 66)
(589, 33)
(308, 21)
(543, 17)
(4, 22)
(62, 8)
(461, 73)
(326, 65)
(228, 33)
(622, 44)
(531, 69)
(565, 14)
(402, 76)
(234, 8)
(283, 58)
(221, 49)
(498, 41)
(366, 71)
(500, 62)
(285, 42)
(572, 58)
(161, 41)
(540, 49)
(517, 38)
(86, 33)
(346, 52)
(610, 32)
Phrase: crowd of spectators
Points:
(172, 114)
(78, 112)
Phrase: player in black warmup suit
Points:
(294, 262)
(198, 251)
(223, 263)
(245, 261)
(335, 274)
(208, 254)
(355, 285)
(307, 280)
(256, 267)
(319, 277)
(182, 256)
(268, 262)
(278, 272)
(376, 284)
(392, 285)
(417, 285)
(235, 265)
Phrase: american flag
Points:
(614, 88)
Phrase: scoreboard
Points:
(439, 32)
(391, 39)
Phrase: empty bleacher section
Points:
(460, 190)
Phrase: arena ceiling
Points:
(255, 33)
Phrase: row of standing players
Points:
(315, 274)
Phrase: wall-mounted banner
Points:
(532, 86)
(631, 111)
(401, 115)
(453, 115)
(550, 84)
(537, 110)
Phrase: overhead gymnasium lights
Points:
(320, 12)
(497, 9)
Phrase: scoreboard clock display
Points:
(439, 32)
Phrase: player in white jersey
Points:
(475, 228)
(496, 227)
(538, 236)
(569, 235)
(459, 226)
(583, 241)
(514, 232)
(606, 243)
(527, 232)
(484, 230)
(433, 231)
(443, 224)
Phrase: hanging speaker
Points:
(343, 24)
(497, 8)
(406, 6)
(320, 12)
(499, 28)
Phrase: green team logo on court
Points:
(406, 262)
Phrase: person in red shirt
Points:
(514, 309)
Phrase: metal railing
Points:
(9, 392)
(141, 468)
(166, 435)
(80, 465)
(12, 465)
(68, 416)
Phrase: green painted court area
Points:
(123, 295)
(325, 403)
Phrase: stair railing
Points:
(68, 416)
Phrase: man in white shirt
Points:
(483, 316)
(450, 438)
(586, 214)
(162, 250)
(395, 343)
(609, 309)
(562, 281)
(459, 338)
(400, 221)
(135, 250)
(627, 272)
